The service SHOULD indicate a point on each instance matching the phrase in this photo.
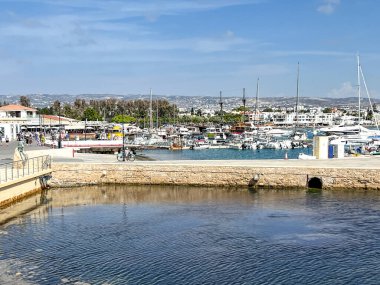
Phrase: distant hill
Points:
(44, 100)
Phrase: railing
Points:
(22, 168)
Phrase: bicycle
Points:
(126, 156)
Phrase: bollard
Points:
(73, 152)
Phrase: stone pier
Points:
(351, 173)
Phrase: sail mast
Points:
(244, 100)
(257, 100)
(369, 98)
(359, 89)
(157, 114)
(150, 111)
(221, 107)
(297, 98)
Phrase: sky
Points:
(189, 47)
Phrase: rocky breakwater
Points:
(276, 174)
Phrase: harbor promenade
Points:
(74, 169)
(66, 155)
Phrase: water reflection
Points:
(117, 234)
(119, 194)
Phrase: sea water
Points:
(181, 235)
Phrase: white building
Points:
(11, 119)
(17, 112)
(303, 119)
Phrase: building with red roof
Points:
(17, 112)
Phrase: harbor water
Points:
(225, 154)
(181, 235)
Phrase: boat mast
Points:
(297, 98)
(257, 100)
(359, 89)
(150, 111)
(157, 115)
(244, 100)
(221, 107)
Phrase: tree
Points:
(230, 118)
(91, 114)
(241, 109)
(56, 108)
(215, 120)
(71, 112)
(25, 101)
(123, 119)
(268, 109)
(327, 110)
(369, 115)
(45, 111)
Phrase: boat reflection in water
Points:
(116, 234)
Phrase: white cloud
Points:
(100, 27)
(328, 7)
(150, 9)
(345, 90)
(312, 53)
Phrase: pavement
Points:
(66, 155)
(7, 150)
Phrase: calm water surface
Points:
(179, 235)
(225, 154)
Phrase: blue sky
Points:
(183, 47)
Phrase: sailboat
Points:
(355, 134)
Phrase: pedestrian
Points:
(6, 140)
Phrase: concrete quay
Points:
(75, 169)
(348, 173)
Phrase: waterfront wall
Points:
(76, 174)
(16, 190)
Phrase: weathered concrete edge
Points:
(69, 174)
(20, 189)
(19, 180)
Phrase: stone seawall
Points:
(212, 174)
